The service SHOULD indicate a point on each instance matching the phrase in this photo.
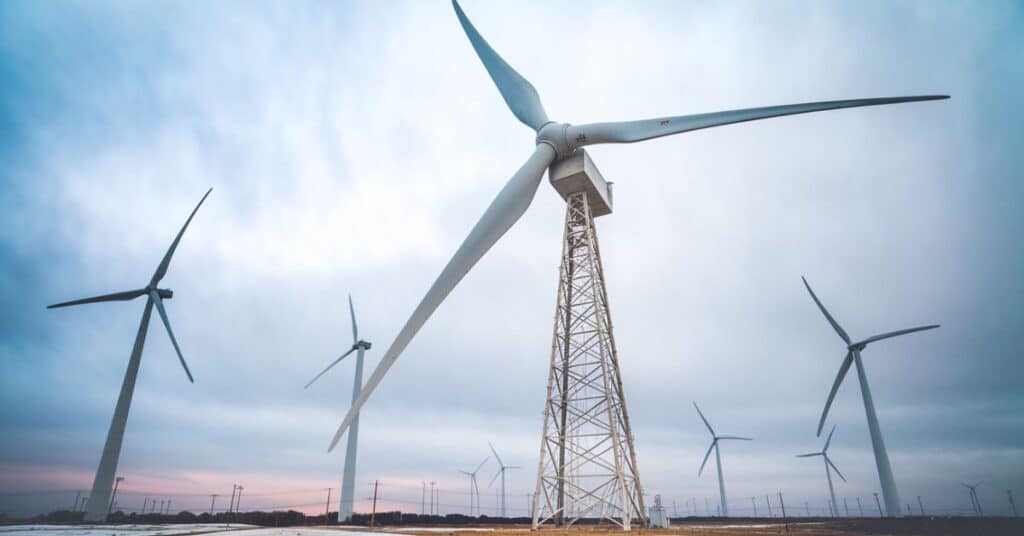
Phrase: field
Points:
(845, 527)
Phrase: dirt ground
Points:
(845, 527)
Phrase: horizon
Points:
(349, 156)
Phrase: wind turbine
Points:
(474, 490)
(975, 503)
(718, 459)
(501, 472)
(348, 480)
(554, 142)
(99, 497)
(829, 466)
(853, 349)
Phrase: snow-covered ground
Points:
(117, 530)
(211, 529)
(171, 530)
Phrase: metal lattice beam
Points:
(587, 463)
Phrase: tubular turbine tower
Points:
(587, 464)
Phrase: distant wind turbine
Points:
(975, 503)
(474, 490)
(718, 459)
(348, 480)
(853, 350)
(102, 484)
(501, 472)
(829, 466)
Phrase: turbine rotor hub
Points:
(554, 134)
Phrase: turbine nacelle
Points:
(164, 293)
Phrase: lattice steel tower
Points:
(587, 463)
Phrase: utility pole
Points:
(327, 508)
(707, 507)
(846, 507)
(423, 503)
(213, 500)
(113, 496)
(238, 500)
(859, 507)
(769, 503)
(168, 510)
(144, 503)
(921, 505)
(161, 506)
(880, 514)
(784, 520)
(675, 512)
(373, 512)
(808, 508)
(753, 501)
(1013, 505)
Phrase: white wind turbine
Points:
(474, 490)
(554, 141)
(853, 350)
(348, 479)
(718, 459)
(975, 503)
(829, 466)
(99, 497)
(501, 472)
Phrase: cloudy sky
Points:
(351, 146)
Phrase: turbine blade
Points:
(167, 324)
(633, 131)
(520, 96)
(897, 333)
(335, 362)
(829, 440)
(835, 325)
(496, 457)
(834, 468)
(510, 204)
(811, 455)
(843, 369)
(481, 465)
(735, 437)
(116, 296)
(496, 475)
(699, 412)
(352, 313)
(701, 470)
(161, 270)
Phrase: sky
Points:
(351, 146)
